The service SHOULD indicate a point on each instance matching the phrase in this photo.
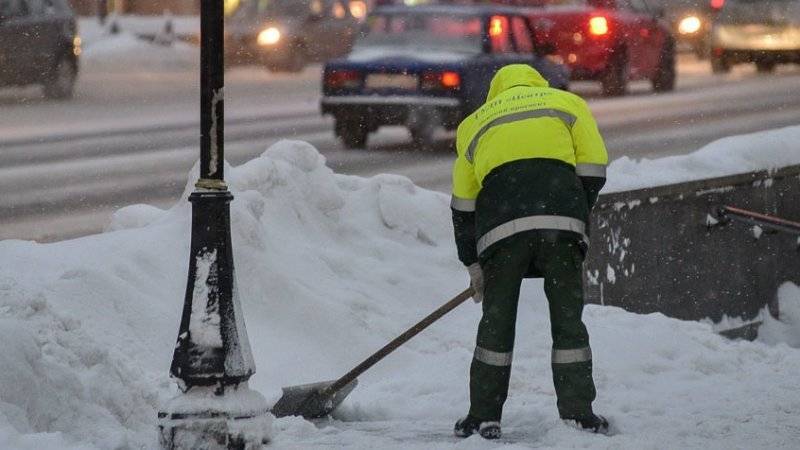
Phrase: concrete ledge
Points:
(654, 251)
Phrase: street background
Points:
(130, 135)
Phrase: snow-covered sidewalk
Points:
(331, 267)
(127, 51)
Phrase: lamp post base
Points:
(202, 418)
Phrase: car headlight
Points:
(76, 45)
(269, 36)
(689, 25)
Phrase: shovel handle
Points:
(398, 341)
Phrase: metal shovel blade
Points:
(312, 400)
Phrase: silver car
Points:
(764, 32)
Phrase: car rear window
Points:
(761, 12)
(427, 31)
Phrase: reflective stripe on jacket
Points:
(524, 119)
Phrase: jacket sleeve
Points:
(591, 157)
(462, 205)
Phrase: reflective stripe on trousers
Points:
(493, 358)
(570, 356)
(515, 226)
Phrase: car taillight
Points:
(717, 4)
(342, 79)
(448, 80)
(598, 26)
(496, 26)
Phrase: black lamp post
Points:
(212, 360)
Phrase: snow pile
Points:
(732, 155)
(330, 268)
(55, 378)
(324, 268)
(787, 329)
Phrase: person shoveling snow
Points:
(89, 324)
(520, 209)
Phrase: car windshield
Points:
(453, 33)
(764, 12)
(295, 8)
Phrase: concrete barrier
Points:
(656, 249)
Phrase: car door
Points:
(325, 31)
(17, 52)
(501, 41)
(642, 40)
(5, 35)
(511, 41)
(498, 50)
(43, 35)
(342, 26)
(525, 52)
(55, 30)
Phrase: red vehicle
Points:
(610, 41)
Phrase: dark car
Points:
(427, 66)
(285, 35)
(610, 41)
(39, 45)
(764, 32)
(691, 23)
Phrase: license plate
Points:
(391, 80)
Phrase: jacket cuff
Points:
(464, 230)
(592, 187)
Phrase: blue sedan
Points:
(425, 67)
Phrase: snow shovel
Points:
(316, 400)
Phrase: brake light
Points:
(339, 79)
(496, 26)
(598, 26)
(451, 80)
(717, 4)
(448, 80)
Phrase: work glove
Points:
(476, 281)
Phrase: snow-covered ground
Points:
(727, 156)
(330, 267)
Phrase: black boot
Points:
(592, 423)
(470, 425)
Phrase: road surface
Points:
(132, 136)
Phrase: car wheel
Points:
(702, 49)
(664, 78)
(615, 78)
(353, 133)
(765, 66)
(60, 84)
(422, 124)
(720, 64)
(422, 136)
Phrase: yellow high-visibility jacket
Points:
(530, 158)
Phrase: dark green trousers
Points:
(558, 258)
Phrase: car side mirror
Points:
(546, 48)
